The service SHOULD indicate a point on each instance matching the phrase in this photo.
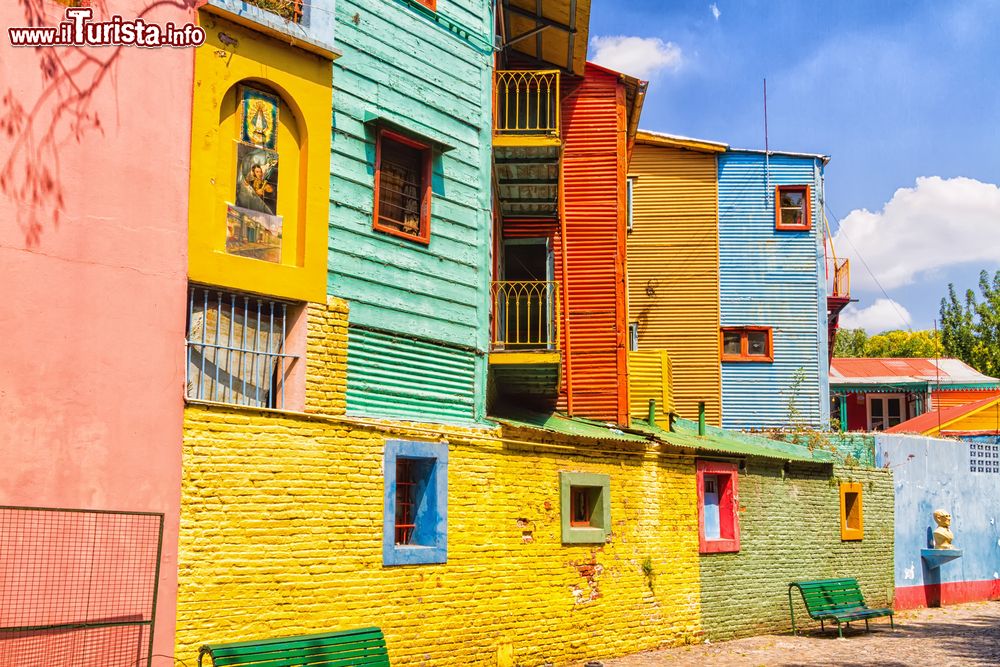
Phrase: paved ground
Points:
(960, 635)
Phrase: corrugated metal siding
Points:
(673, 270)
(947, 399)
(391, 376)
(650, 376)
(593, 117)
(398, 65)
(770, 278)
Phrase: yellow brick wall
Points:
(326, 357)
(281, 533)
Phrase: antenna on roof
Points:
(937, 366)
(767, 151)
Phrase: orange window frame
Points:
(807, 198)
(429, 4)
(852, 519)
(424, 236)
(744, 356)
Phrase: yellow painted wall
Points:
(673, 270)
(281, 533)
(985, 419)
(303, 80)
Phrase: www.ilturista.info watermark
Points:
(79, 30)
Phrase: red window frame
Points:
(804, 189)
(729, 520)
(744, 355)
(424, 236)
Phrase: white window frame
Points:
(903, 412)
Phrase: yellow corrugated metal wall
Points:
(673, 270)
(649, 377)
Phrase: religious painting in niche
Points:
(259, 117)
(253, 234)
(257, 179)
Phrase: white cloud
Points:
(923, 230)
(715, 11)
(883, 315)
(641, 57)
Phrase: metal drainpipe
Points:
(651, 418)
(701, 417)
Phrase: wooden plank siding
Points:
(593, 208)
(673, 270)
(773, 279)
(410, 301)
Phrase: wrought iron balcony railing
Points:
(526, 103)
(525, 315)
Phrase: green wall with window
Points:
(790, 530)
(425, 75)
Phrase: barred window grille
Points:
(984, 458)
(236, 348)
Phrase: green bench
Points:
(837, 600)
(364, 647)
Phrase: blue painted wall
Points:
(417, 313)
(775, 279)
(932, 473)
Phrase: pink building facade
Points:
(94, 154)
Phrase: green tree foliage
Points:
(856, 343)
(970, 328)
(850, 343)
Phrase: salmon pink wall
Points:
(93, 220)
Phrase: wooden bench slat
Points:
(362, 647)
(329, 637)
(838, 600)
(318, 653)
(278, 649)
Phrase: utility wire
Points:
(857, 252)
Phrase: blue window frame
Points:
(415, 516)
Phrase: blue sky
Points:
(893, 91)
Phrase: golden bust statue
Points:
(942, 534)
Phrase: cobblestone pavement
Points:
(966, 634)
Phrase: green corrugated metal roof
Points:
(685, 435)
(564, 425)
(743, 444)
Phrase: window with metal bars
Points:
(415, 529)
(236, 348)
(402, 187)
(406, 497)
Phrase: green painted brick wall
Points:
(790, 530)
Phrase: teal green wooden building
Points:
(410, 212)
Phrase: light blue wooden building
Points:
(410, 204)
(773, 290)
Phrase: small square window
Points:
(747, 344)
(402, 187)
(415, 522)
(585, 507)
(851, 512)
(718, 521)
(792, 210)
